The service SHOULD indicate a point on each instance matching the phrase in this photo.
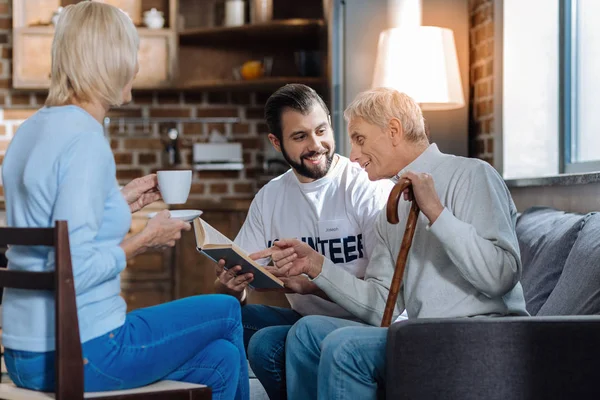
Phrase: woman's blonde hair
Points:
(94, 54)
(378, 106)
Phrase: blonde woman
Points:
(60, 167)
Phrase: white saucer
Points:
(184, 215)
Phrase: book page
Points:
(206, 234)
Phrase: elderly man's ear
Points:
(395, 131)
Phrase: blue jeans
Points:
(265, 330)
(197, 339)
(331, 358)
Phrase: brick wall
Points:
(481, 114)
(138, 149)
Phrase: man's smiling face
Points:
(307, 142)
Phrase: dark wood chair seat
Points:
(69, 360)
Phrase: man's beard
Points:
(312, 173)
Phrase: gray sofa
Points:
(555, 354)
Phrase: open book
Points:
(217, 246)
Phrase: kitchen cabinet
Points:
(32, 60)
(157, 57)
(141, 294)
(32, 57)
(33, 35)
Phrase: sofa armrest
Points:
(494, 358)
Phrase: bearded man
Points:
(324, 200)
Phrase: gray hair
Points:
(378, 106)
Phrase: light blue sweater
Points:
(59, 166)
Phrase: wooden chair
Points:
(409, 233)
(69, 360)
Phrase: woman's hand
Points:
(141, 191)
(292, 257)
(160, 232)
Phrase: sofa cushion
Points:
(546, 237)
(578, 289)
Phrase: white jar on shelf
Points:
(154, 19)
(235, 12)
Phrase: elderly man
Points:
(464, 261)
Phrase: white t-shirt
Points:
(335, 215)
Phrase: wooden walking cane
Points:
(409, 233)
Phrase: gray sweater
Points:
(465, 264)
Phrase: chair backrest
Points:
(69, 361)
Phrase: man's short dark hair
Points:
(294, 96)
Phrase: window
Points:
(550, 87)
(530, 68)
(582, 85)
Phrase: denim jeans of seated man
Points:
(333, 359)
(265, 330)
(197, 340)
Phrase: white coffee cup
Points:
(175, 185)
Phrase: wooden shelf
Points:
(266, 84)
(36, 29)
(255, 35)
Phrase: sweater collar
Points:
(426, 162)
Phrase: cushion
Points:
(578, 289)
(546, 237)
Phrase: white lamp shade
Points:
(422, 63)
